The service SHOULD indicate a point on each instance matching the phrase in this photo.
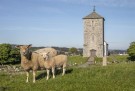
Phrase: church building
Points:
(94, 43)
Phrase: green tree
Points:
(8, 53)
(73, 50)
(4, 52)
(14, 55)
(131, 51)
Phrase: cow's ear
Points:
(48, 52)
(18, 46)
(30, 45)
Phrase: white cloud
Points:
(108, 3)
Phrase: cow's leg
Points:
(27, 74)
(53, 72)
(34, 76)
(48, 71)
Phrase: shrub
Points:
(8, 54)
(131, 51)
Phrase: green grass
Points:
(112, 58)
(76, 60)
(119, 58)
(115, 77)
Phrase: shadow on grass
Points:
(6, 88)
(57, 72)
(131, 59)
(41, 76)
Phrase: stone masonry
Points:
(93, 35)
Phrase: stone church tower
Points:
(93, 35)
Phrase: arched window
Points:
(92, 38)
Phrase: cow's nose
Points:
(24, 53)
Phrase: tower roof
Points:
(93, 15)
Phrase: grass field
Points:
(114, 77)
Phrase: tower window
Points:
(93, 38)
(92, 23)
(93, 28)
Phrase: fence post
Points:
(104, 61)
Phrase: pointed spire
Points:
(94, 8)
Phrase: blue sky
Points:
(59, 22)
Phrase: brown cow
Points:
(31, 60)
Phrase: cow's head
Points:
(45, 55)
(24, 49)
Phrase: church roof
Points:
(93, 15)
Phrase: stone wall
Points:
(93, 36)
(11, 69)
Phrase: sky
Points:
(59, 22)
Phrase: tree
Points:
(4, 52)
(8, 53)
(73, 50)
(131, 51)
(14, 55)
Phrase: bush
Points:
(131, 51)
(8, 54)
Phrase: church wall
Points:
(93, 36)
